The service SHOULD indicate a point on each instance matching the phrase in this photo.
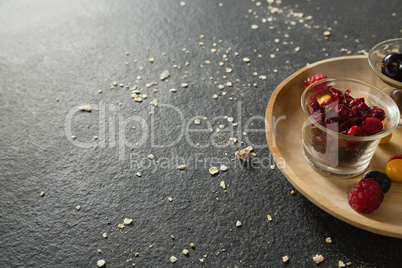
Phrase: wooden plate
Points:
(284, 117)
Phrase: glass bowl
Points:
(326, 148)
(377, 54)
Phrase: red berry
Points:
(366, 196)
(397, 156)
(372, 125)
(313, 79)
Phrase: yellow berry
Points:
(394, 170)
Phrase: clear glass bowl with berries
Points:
(346, 119)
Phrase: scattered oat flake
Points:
(184, 85)
(223, 185)
(181, 167)
(182, 3)
(151, 156)
(197, 121)
(245, 59)
(192, 245)
(170, 198)
(285, 258)
(101, 263)
(327, 33)
(165, 74)
(272, 166)
(229, 84)
(120, 225)
(151, 59)
(228, 70)
(318, 258)
(254, 26)
(138, 174)
(269, 218)
(328, 240)
(42, 194)
(292, 192)
(244, 154)
(105, 235)
(78, 207)
(154, 102)
(128, 221)
(213, 170)
(172, 90)
(150, 84)
(185, 252)
(341, 264)
(238, 224)
(173, 259)
(223, 168)
(136, 98)
(232, 139)
(85, 108)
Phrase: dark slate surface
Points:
(68, 50)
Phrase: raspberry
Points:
(313, 79)
(366, 196)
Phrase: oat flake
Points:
(213, 170)
(128, 221)
(101, 263)
(318, 258)
(181, 167)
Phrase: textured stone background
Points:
(69, 50)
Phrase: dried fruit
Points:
(313, 79)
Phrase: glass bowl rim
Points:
(379, 135)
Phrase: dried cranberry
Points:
(356, 131)
(343, 112)
(314, 103)
(330, 111)
(372, 125)
(348, 98)
(336, 95)
(377, 112)
(313, 79)
(353, 121)
(319, 117)
(356, 101)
